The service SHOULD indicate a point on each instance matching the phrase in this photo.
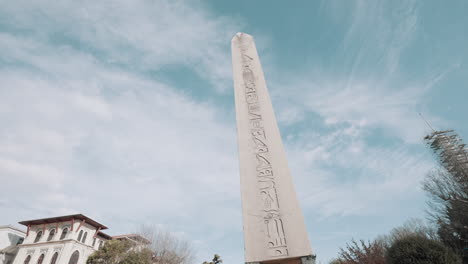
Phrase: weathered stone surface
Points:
(273, 222)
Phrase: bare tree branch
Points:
(167, 247)
(448, 188)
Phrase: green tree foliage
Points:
(216, 260)
(362, 253)
(120, 252)
(448, 189)
(420, 250)
(375, 252)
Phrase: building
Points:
(134, 238)
(60, 240)
(66, 239)
(138, 241)
(10, 238)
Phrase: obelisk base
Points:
(301, 260)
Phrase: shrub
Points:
(420, 250)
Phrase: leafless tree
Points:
(448, 188)
(449, 184)
(412, 227)
(362, 253)
(167, 247)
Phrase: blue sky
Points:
(124, 111)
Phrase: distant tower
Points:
(274, 229)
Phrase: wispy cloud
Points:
(141, 35)
(364, 114)
(86, 123)
(343, 175)
(90, 122)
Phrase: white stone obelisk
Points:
(274, 228)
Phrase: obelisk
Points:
(274, 229)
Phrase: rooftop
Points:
(104, 235)
(134, 237)
(12, 227)
(63, 219)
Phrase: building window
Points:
(28, 258)
(100, 244)
(38, 236)
(51, 235)
(80, 235)
(84, 238)
(54, 258)
(64, 233)
(94, 242)
(40, 259)
(20, 241)
(74, 257)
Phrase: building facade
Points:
(60, 240)
(10, 238)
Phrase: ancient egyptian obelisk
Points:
(274, 229)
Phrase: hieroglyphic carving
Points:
(275, 239)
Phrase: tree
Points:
(448, 189)
(420, 250)
(412, 227)
(375, 252)
(362, 253)
(120, 252)
(167, 248)
(216, 260)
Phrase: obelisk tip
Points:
(241, 35)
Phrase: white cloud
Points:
(142, 35)
(341, 174)
(367, 106)
(85, 126)
(88, 125)
(364, 113)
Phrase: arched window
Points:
(38, 236)
(54, 258)
(51, 235)
(28, 258)
(64, 233)
(84, 238)
(74, 257)
(94, 242)
(40, 259)
(80, 235)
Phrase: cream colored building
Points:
(60, 240)
(10, 238)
